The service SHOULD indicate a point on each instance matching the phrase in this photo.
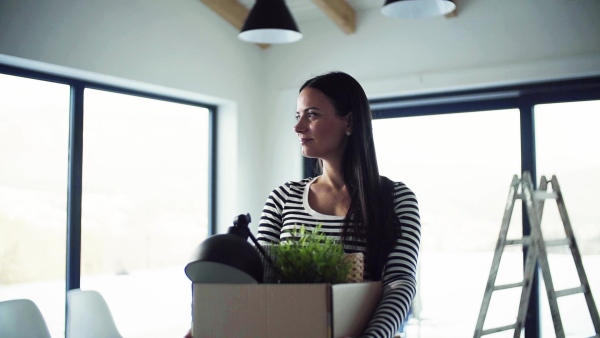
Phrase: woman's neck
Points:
(328, 193)
(332, 176)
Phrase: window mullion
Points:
(528, 163)
(73, 267)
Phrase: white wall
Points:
(490, 42)
(183, 45)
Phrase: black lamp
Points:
(269, 22)
(415, 9)
(229, 258)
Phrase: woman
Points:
(367, 212)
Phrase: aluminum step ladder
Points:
(536, 256)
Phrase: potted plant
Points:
(312, 257)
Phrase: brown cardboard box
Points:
(283, 310)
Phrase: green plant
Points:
(312, 257)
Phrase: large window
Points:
(568, 147)
(458, 152)
(141, 203)
(34, 135)
(460, 167)
(144, 207)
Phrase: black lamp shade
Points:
(269, 22)
(415, 9)
(226, 258)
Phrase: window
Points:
(144, 207)
(460, 167)
(567, 146)
(34, 135)
(486, 136)
(145, 199)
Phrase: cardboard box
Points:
(283, 310)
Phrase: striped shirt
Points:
(287, 207)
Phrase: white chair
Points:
(21, 318)
(88, 316)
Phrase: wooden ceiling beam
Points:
(233, 12)
(340, 13)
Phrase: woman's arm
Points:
(399, 278)
(271, 218)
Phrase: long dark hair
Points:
(371, 215)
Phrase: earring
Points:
(348, 133)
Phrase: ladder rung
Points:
(539, 195)
(558, 242)
(499, 329)
(525, 241)
(567, 292)
(507, 286)
(542, 195)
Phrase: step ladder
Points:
(536, 256)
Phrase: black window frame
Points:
(75, 154)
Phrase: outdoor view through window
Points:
(144, 203)
(568, 146)
(460, 167)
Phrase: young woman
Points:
(367, 212)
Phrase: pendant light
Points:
(416, 9)
(269, 22)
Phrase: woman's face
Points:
(321, 131)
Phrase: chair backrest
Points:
(21, 318)
(88, 316)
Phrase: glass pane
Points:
(144, 208)
(34, 136)
(460, 166)
(567, 145)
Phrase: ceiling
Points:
(341, 12)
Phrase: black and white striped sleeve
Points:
(271, 218)
(399, 277)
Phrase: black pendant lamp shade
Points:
(416, 9)
(269, 22)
